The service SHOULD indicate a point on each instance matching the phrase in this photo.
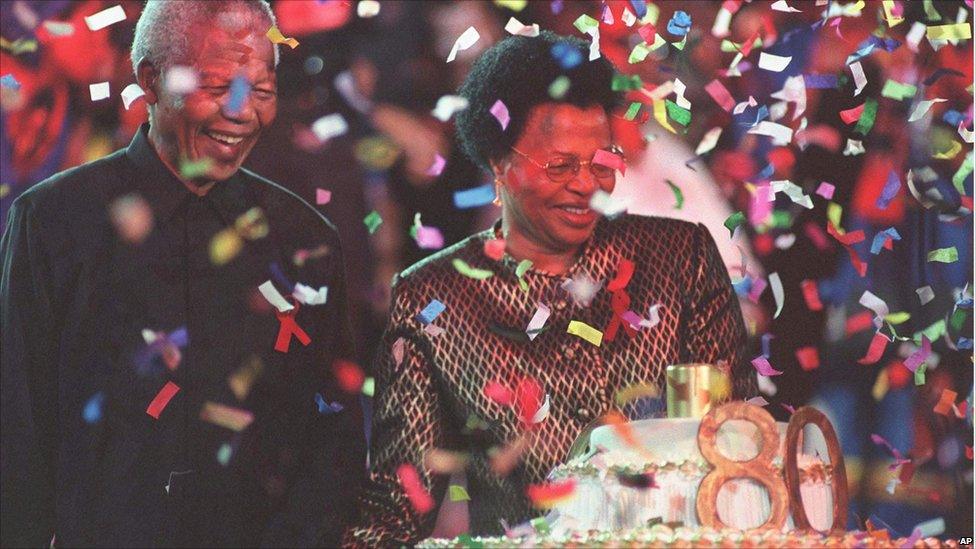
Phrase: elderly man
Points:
(171, 322)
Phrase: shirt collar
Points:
(165, 192)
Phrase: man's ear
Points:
(149, 79)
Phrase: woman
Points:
(471, 379)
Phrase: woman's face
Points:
(555, 216)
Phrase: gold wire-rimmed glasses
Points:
(563, 168)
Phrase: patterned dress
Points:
(430, 383)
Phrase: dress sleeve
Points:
(407, 422)
(715, 333)
(29, 402)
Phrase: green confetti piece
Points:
(584, 23)
(623, 82)
(680, 45)
(639, 53)
(373, 221)
(834, 213)
(679, 198)
(920, 375)
(369, 386)
(781, 220)
(195, 168)
(964, 170)
(523, 267)
(958, 318)
(469, 543)
(897, 90)
(866, 122)
(471, 272)
(457, 493)
(930, 12)
(559, 87)
(897, 318)
(733, 221)
(729, 46)
(678, 114)
(933, 332)
(540, 525)
(632, 111)
(944, 255)
(224, 453)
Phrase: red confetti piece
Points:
(878, 345)
(811, 295)
(898, 375)
(808, 357)
(545, 496)
(906, 473)
(647, 32)
(852, 115)
(816, 235)
(420, 498)
(528, 399)
(349, 376)
(969, 453)
(861, 321)
(498, 393)
(162, 398)
(946, 402)
(495, 248)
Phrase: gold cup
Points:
(691, 388)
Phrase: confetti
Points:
(225, 416)
(310, 296)
(274, 297)
(105, 18)
(943, 255)
(774, 63)
(918, 358)
(329, 127)
(733, 222)
(224, 453)
(372, 221)
(548, 495)
(680, 23)
(782, 135)
(585, 331)
(808, 357)
(326, 408)
(679, 198)
(946, 402)
(610, 160)
(559, 87)
(475, 197)
(777, 286)
(517, 28)
(132, 217)
(514, 5)
(825, 190)
(367, 8)
(242, 379)
(878, 344)
(958, 31)
(9, 81)
(676, 113)
(866, 120)
(781, 5)
(463, 42)
(884, 239)
(538, 320)
(447, 106)
(322, 196)
(98, 91)
(898, 91)
(431, 311)
(349, 376)
(437, 167)
(420, 499)
(889, 191)
(276, 37)
(925, 294)
(457, 493)
(92, 413)
(708, 141)
(762, 365)
(467, 270)
(500, 112)
(162, 398)
(860, 80)
(193, 169)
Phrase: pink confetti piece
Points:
(825, 190)
(500, 112)
(437, 167)
(757, 289)
(162, 398)
(429, 238)
(610, 160)
(757, 401)
(762, 365)
(720, 94)
(918, 357)
(322, 196)
(420, 499)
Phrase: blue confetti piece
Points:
(953, 118)
(239, 88)
(820, 81)
(566, 54)
(680, 23)
(431, 311)
(8, 81)
(556, 6)
(882, 237)
(640, 8)
(473, 198)
(965, 303)
(766, 338)
(964, 343)
(889, 191)
(179, 337)
(743, 286)
(325, 408)
(279, 276)
(93, 408)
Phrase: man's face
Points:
(215, 121)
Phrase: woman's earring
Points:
(498, 193)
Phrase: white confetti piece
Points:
(782, 135)
(274, 297)
(463, 42)
(542, 413)
(542, 313)
(853, 147)
(181, 80)
(329, 126)
(859, 79)
(757, 401)
(679, 90)
(709, 140)
(105, 18)
(923, 107)
(516, 27)
(311, 296)
(766, 385)
(448, 105)
(777, 285)
(98, 91)
(607, 204)
(781, 5)
(653, 317)
(915, 35)
(792, 190)
(774, 63)
(925, 294)
(877, 305)
(367, 8)
(130, 94)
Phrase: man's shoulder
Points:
(78, 185)
(284, 206)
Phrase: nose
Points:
(583, 183)
(244, 114)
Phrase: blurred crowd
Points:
(801, 273)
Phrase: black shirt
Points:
(81, 457)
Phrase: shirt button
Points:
(569, 352)
(583, 413)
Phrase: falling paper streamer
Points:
(162, 399)
(516, 27)
(463, 42)
(274, 297)
(774, 63)
(130, 94)
(447, 106)
(762, 365)
(500, 112)
(105, 18)
(860, 80)
(276, 37)
(538, 320)
(98, 91)
(777, 286)
(585, 331)
(679, 197)
(782, 135)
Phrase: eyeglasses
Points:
(563, 168)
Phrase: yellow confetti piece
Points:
(954, 148)
(890, 17)
(225, 246)
(958, 31)
(880, 388)
(276, 37)
(225, 416)
(633, 392)
(243, 378)
(897, 318)
(19, 46)
(834, 212)
(514, 5)
(661, 115)
(457, 493)
(585, 331)
(462, 267)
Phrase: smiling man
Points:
(150, 394)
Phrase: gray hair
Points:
(163, 34)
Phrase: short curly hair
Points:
(519, 70)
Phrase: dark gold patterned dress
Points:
(430, 388)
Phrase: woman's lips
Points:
(577, 216)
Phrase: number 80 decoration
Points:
(760, 468)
